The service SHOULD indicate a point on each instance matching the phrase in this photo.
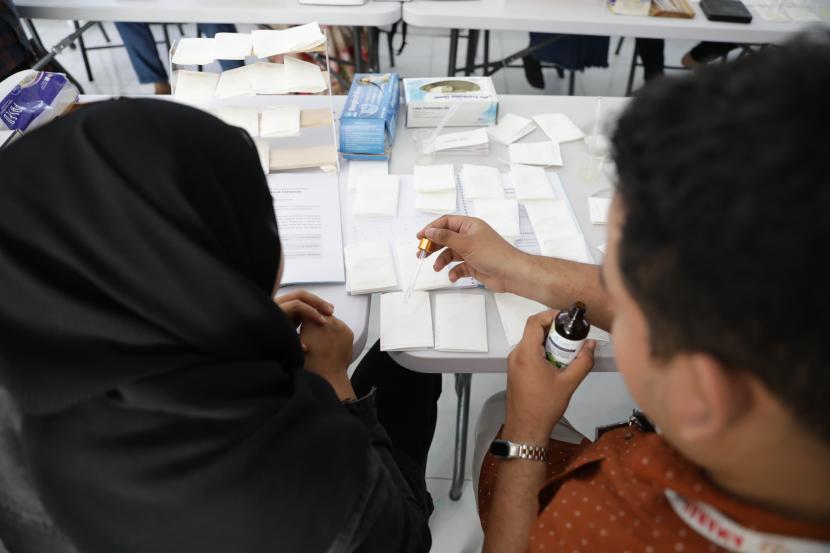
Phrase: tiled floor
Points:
(455, 524)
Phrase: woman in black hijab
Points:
(167, 403)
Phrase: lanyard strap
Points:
(726, 533)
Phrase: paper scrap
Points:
(232, 46)
(405, 325)
(598, 209)
(558, 127)
(303, 76)
(195, 85)
(194, 51)
(377, 195)
(360, 169)
(270, 42)
(269, 78)
(428, 278)
(434, 178)
(460, 323)
(501, 214)
(510, 128)
(236, 82)
(463, 141)
(535, 153)
(281, 121)
(531, 183)
(240, 116)
(440, 202)
(369, 268)
(514, 311)
(481, 181)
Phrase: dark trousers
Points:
(651, 54)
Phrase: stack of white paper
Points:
(464, 141)
(232, 46)
(514, 311)
(598, 207)
(531, 183)
(195, 85)
(194, 51)
(296, 39)
(435, 188)
(451, 334)
(369, 268)
(536, 153)
(242, 116)
(377, 195)
(302, 76)
(501, 214)
(558, 127)
(510, 128)
(269, 78)
(280, 121)
(236, 82)
(405, 325)
(428, 278)
(360, 169)
(481, 181)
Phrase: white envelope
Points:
(269, 78)
(280, 121)
(514, 311)
(195, 85)
(535, 153)
(302, 76)
(236, 82)
(558, 127)
(232, 46)
(428, 278)
(377, 195)
(510, 128)
(481, 181)
(433, 178)
(501, 214)
(531, 183)
(240, 116)
(360, 169)
(194, 51)
(460, 323)
(405, 325)
(369, 268)
(441, 202)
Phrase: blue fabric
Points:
(141, 47)
(572, 52)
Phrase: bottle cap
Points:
(426, 245)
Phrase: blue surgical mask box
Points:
(370, 116)
(428, 100)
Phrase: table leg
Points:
(462, 390)
(83, 50)
(358, 50)
(453, 52)
(374, 54)
(472, 50)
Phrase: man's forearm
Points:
(558, 283)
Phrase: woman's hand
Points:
(537, 391)
(329, 352)
(302, 306)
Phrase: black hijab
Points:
(165, 407)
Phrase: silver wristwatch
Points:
(505, 449)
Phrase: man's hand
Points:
(486, 256)
(537, 391)
(329, 352)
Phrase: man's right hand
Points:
(486, 256)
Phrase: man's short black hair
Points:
(724, 177)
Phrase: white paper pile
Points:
(360, 169)
(236, 82)
(269, 78)
(510, 128)
(281, 121)
(501, 214)
(428, 278)
(480, 181)
(557, 233)
(460, 323)
(514, 311)
(195, 85)
(463, 141)
(536, 153)
(377, 195)
(194, 51)
(302, 76)
(531, 183)
(242, 116)
(296, 39)
(405, 325)
(231, 46)
(369, 268)
(558, 127)
(598, 207)
(435, 188)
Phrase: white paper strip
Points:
(536, 153)
(405, 325)
(281, 121)
(377, 195)
(450, 334)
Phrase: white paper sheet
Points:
(236, 82)
(302, 76)
(296, 39)
(510, 128)
(558, 127)
(269, 78)
(434, 178)
(436, 202)
(501, 214)
(194, 51)
(195, 85)
(281, 121)
(369, 268)
(536, 153)
(551, 219)
(232, 46)
(514, 311)
(598, 209)
(481, 181)
(240, 116)
(460, 323)
(360, 169)
(428, 278)
(570, 246)
(463, 141)
(377, 195)
(531, 183)
(405, 325)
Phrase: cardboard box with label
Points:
(428, 100)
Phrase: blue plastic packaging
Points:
(370, 116)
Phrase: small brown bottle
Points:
(567, 335)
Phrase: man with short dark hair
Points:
(715, 291)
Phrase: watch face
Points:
(500, 448)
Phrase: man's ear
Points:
(707, 397)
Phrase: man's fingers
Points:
(445, 258)
(448, 238)
(451, 222)
(460, 271)
(536, 329)
(579, 368)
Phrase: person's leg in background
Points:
(705, 52)
(210, 30)
(651, 54)
(141, 47)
